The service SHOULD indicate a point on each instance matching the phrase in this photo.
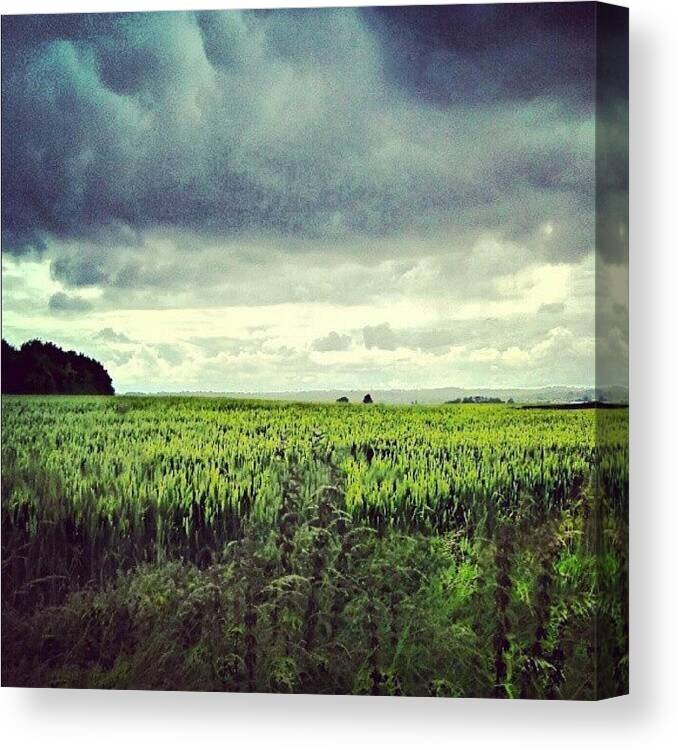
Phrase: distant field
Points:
(217, 544)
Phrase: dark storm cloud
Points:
(612, 137)
(326, 125)
(78, 270)
(64, 304)
(485, 53)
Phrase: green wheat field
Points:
(216, 544)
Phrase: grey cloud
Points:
(432, 339)
(258, 329)
(170, 353)
(333, 342)
(437, 339)
(220, 124)
(63, 304)
(117, 357)
(555, 308)
(212, 346)
(483, 52)
(78, 270)
(246, 273)
(111, 336)
(342, 156)
(380, 337)
(524, 331)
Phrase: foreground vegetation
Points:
(208, 544)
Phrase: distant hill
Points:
(39, 367)
(548, 395)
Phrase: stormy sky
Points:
(309, 199)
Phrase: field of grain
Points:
(215, 544)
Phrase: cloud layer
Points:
(334, 159)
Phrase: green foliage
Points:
(208, 544)
(43, 367)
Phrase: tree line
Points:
(38, 367)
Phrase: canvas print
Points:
(315, 351)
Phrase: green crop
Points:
(340, 542)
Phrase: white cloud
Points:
(423, 329)
(515, 357)
(487, 354)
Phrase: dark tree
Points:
(9, 368)
(367, 399)
(42, 367)
(342, 400)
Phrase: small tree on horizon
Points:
(367, 399)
